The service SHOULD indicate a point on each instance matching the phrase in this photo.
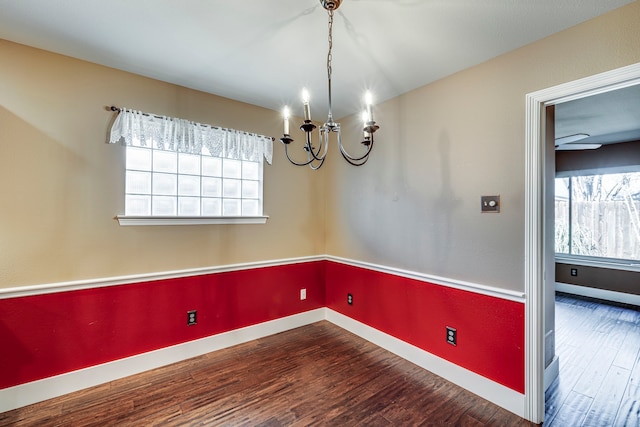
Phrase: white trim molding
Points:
(37, 391)
(496, 393)
(536, 103)
(437, 280)
(26, 394)
(604, 294)
(189, 220)
(50, 288)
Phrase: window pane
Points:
(189, 164)
(188, 185)
(189, 206)
(211, 166)
(211, 207)
(250, 208)
(250, 170)
(232, 168)
(212, 187)
(137, 205)
(165, 161)
(604, 212)
(138, 182)
(231, 188)
(165, 184)
(250, 189)
(231, 207)
(562, 215)
(138, 158)
(164, 206)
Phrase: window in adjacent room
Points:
(176, 168)
(598, 216)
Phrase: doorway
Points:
(539, 249)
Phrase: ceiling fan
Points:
(570, 142)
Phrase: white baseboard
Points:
(37, 391)
(604, 294)
(477, 384)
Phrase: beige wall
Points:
(62, 184)
(416, 204)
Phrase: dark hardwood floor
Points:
(599, 349)
(315, 375)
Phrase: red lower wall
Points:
(490, 330)
(50, 334)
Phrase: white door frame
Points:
(534, 217)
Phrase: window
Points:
(180, 169)
(598, 216)
(168, 183)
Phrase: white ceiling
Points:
(263, 52)
(608, 118)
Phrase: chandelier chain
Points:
(330, 39)
(329, 58)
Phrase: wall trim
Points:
(487, 389)
(50, 288)
(604, 294)
(442, 281)
(48, 388)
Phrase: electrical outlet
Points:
(303, 294)
(349, 299)
(191, 317)
(574, 271)
(452, 335)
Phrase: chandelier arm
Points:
(348, 157)
(360, 162)
(315, 168)
(286, 152)
(316, 154)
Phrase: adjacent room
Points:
(322, 212)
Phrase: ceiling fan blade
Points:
(571, 138)
(567, 147)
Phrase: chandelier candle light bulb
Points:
(365, 121)
(368, 99)
(305, 101)
(286, 120)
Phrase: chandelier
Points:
(317, 155)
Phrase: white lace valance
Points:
(168, 133)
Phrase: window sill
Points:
(611, 263)
(189, 220)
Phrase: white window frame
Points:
(159, 134)
(593, 260)
(180, 219)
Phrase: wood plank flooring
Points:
(314, 375)
(599, 349)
